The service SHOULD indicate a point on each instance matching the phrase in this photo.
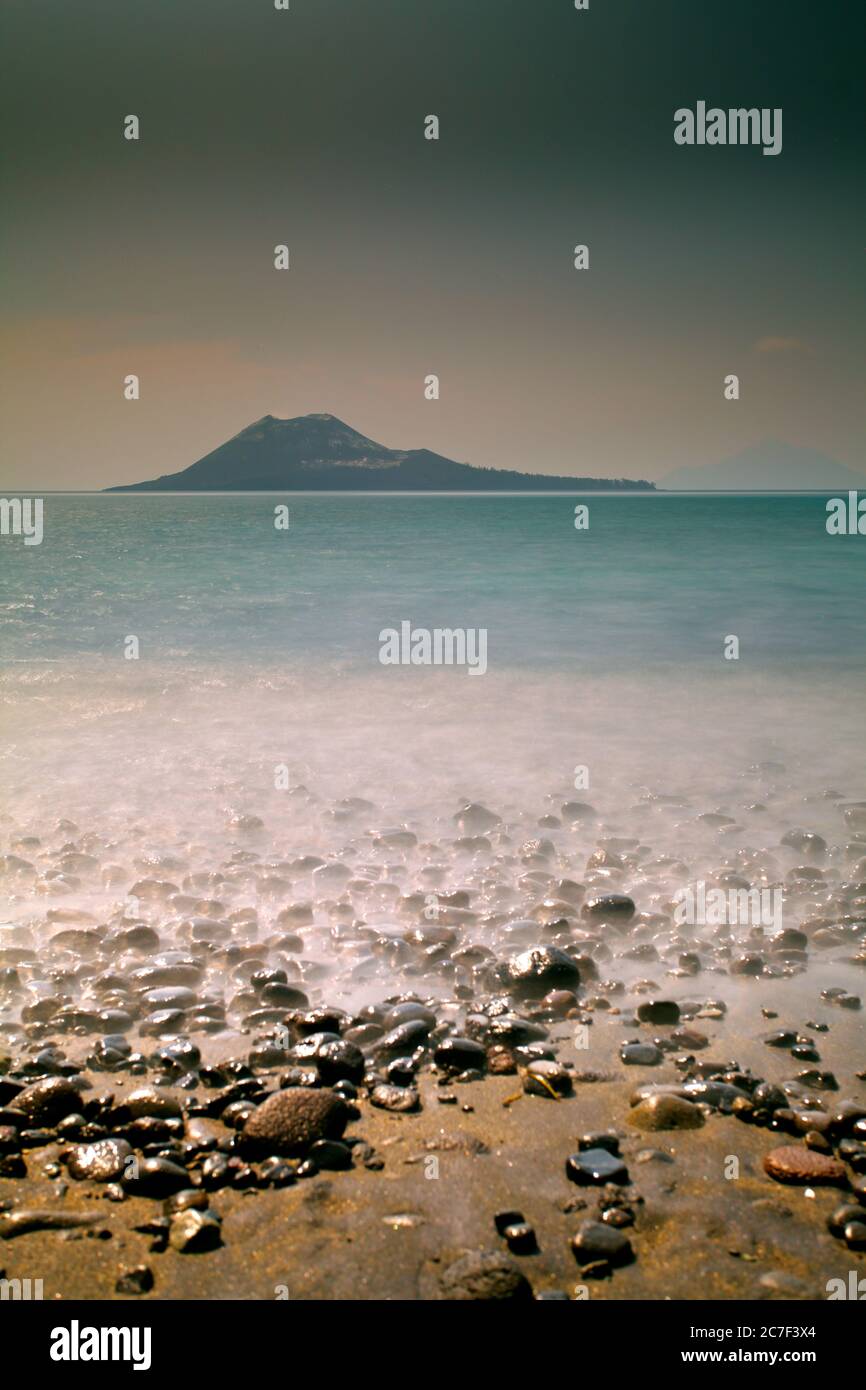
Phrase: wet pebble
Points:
(595, 1167)
(658, 1112)
(546, 1078)
(403, 1099)
(640, 1054)
(536, 972)
(658, 1011)
(193, 1232)
(155, 1177)
(46, 1102)
(597, 1241)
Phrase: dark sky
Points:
(412, 257)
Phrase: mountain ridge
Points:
(321, 452)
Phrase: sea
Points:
(190, 682)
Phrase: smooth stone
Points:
(460, 1054)
(594, 1167)
(666, 1112)
(402, 1040)
(192, 1232)
(611, 906)
(188, 1197)
(331, 1154)
(170, 997)
(155, 1177)
(747, 965)
(596, 1241)
(535, 972)
(339, 1061)
(638, 1054)
(475, 819)
(599, 1139)
(854, 1234)
(403, 1099)
(658, 1011)
(840, 1218)
(46, 1102)
(408, 1012)
(513, 1031)
(151, 1102)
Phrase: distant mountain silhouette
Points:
(766, 467)
(320, 452)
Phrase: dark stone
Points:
(331, 1154)
(595, 1166)
(402, 1040)
(611, 907)
(215, 1172)
(638, 1054)
(460, 1054)
(534, 973)
(502, 1219)
(275, 1172)
(599, 1139)
(855, 1234)
(520, 1238)
(339, 1061)
(491, 1277)
(407, 1012)
(597, 1241)
(546, 1078)
(747, 965)
(134, 1281)
(155, 1177)
(766, 1096)
(46, 1102)
(177, 1057)
(658, 1011)
(840, 1218)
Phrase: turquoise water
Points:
(656, 581)
(233, 748)
(260, 648)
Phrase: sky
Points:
(411, 257)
